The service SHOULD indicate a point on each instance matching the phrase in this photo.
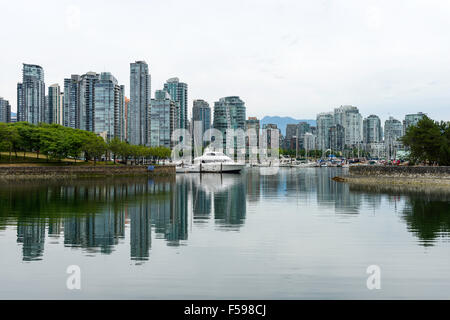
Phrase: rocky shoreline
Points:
(438, 177)
(19, 173)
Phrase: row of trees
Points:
(429, 142)
(57, 142)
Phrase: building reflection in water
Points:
(201, 204)
(96, 231)
(31, 234)
(334, 194)
(140, 230)
(220, 196)
(94, 216)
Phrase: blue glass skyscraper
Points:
(179, 93)
(31, 95)
(107, 106)
(201, 113)
(139, 106)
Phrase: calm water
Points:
(293, 235)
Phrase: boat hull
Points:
(212, 168)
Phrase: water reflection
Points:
(428, 219)
(94, 216)
(426, 210)
(223, 197)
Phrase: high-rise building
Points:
(72, 88)
(125, 120)
(31, 95)
(252, 126)
(60, 116)
(201, 114)
(291, 131)
(336, 136)
(350, 118)
(393, 131)
(372, 132)
(108, 106)
(269, 130)
(412, 120)
(53, 104)
(252, 123)
(309, 141)
(139, 107)
(5, 111)
(295, 134)
(163, 117)
(120, 116)
(229, 113)
(47, 117)
(325, 121)
(85, 114)
(179, 93)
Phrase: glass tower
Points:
(5, 111)
(72, 88)
(372, 129)
(139, 106)
(179, 93)
(31, 95)
(107, 106)
(201, 112)
(350, 118)
(229, 113)
(412, 120)
(325, 121)
(162, 119)
(53, 104)
(86, 107)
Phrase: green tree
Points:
(114, 146)
(428, 141)
(5, 142)
(94, 147)
(53, 143)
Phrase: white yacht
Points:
(211, 162)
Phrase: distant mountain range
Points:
(281, 122)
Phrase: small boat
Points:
(306, 165)
(211, 162)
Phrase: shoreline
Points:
(398, 181)
(420, 176)
(21, 173)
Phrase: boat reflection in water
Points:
(223, 196)
(221, 236)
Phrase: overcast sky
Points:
(288, 58)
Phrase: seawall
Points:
(436, 177)
(69, 172)
(400, 171)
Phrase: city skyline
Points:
(377, 57)
(189, 107)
